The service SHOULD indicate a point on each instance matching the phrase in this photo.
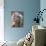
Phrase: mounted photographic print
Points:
(17, 18)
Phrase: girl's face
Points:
(16, 19)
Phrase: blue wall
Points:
(29, 7)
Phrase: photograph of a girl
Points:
(17, 18)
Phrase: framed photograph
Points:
(17, 18)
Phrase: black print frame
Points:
(17, 18)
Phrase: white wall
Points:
(1, 21)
